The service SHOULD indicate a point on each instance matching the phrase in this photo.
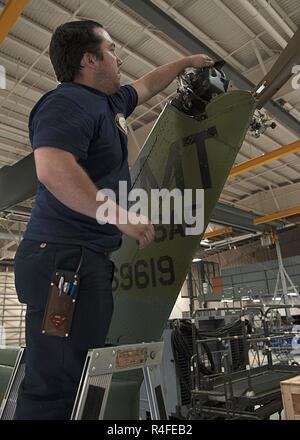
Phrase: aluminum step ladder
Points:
(8, 404)
(93, 390)
(102, 363)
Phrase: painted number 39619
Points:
(142, 274)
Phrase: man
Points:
(80, 147)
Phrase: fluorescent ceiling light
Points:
(196, 260)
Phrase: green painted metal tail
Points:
(184, 153)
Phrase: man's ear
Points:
(88, 60)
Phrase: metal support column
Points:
(284, 278)
(190, 291)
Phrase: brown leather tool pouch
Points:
(61, 303)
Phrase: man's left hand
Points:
(199, 61)
(160, 78)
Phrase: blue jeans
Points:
(53, 364)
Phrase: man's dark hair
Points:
(69, 43)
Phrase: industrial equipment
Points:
(260, 123)
(221, 364)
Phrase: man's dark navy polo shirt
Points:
(85, 122)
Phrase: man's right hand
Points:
(139, 228)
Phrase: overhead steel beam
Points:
(255, 13)
(217, 232)
(7, 255)
(265, 158)
(14, 191)
(7, 236)
(186, 23)
(237, 218)
(232, 240)
(276, 17)
(154, 15)
(277, 215)
(9, 16)
(19, 210)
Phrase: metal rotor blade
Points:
(280, 73)
(17, 182)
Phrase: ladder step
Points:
(102, 363)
